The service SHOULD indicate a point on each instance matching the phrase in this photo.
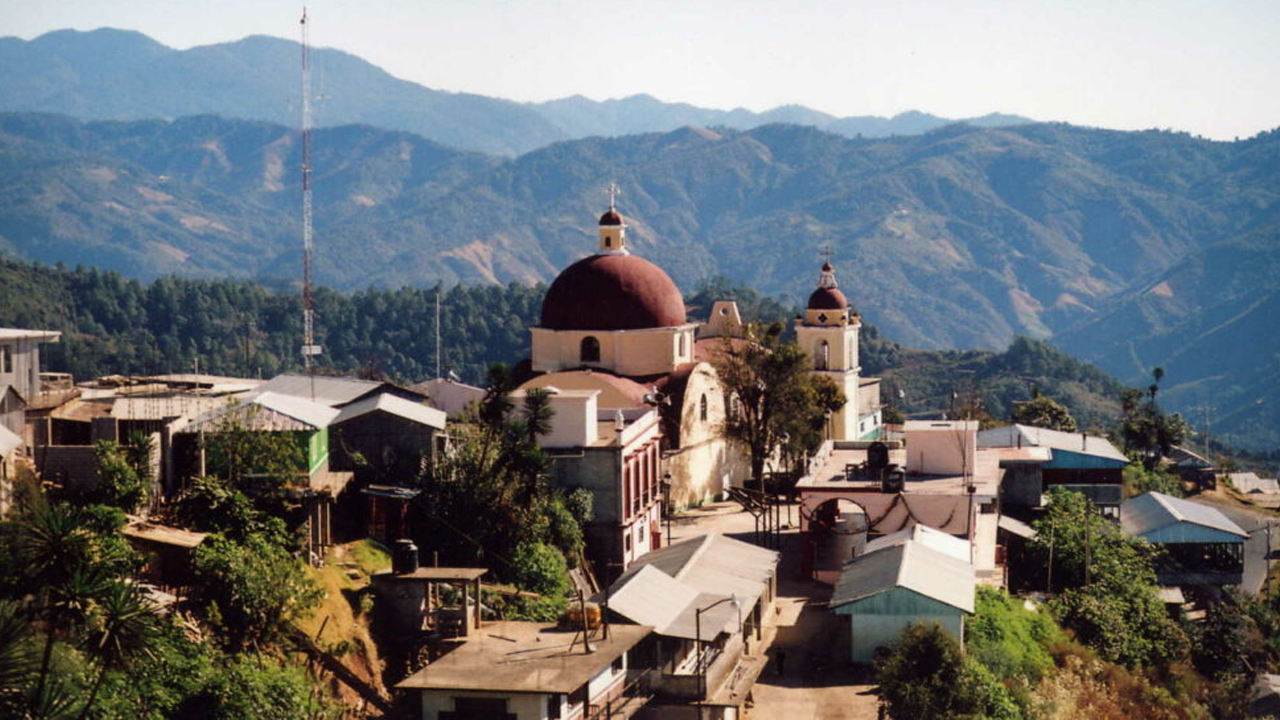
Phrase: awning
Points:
(1017, 527)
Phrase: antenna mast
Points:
(309, 346)
(438, 375)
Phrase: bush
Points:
(926, 676)
(255, 687)
(1010, 640)
(538, 567)
(255, 589)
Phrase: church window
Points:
(608, 241)
(681, 349)
(590, 351)
(822, 317)
(702, 408)
(822, 359)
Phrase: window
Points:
(608, 241)
(822, 358)
(702, 408)
(6, 359)
(553, 706)
(680, 350)
(590, 350)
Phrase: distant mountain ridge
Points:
(109, 74)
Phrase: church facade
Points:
(617, 352)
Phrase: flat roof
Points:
(439, 574)
(831, 476)
(20, 334)
(163, 534)
(525, 657)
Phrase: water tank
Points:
(895, 480)
(404, 557)
(877, 456)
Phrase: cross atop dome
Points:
(828, 277)
(613, 231)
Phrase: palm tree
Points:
(53, 545)
(122, 626)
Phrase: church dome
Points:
(828, 298)
(610, 218)
(612, 292)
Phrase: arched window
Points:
(702, 408)
(590, 351)
(608, 241)
(822, 359)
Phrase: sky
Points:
(1209, 67)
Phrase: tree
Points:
(771, 394)
(255, 460)
(1110, 598)
(119, 483)
(1044, 412)
(1146, 431)
(925, 675)
(121, 626)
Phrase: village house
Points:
(1201, 545)
(512, 670)
(20, 372)
(1080, 462)
(898, 583)
(709, 600)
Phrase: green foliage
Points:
(176, 669)
(1044, 412)
(1110, 600)
(212, 505)
(488, 500)
(778, 400)
(1139, 480)
(1229, 641)
(258, 462)
(1146, 431)
(1010, 640)
(540, 568)
(252, 686)
(259, 589)
(925, 675)
(119, 483)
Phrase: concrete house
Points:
(512, 670)
(885, 591)
(20, 372)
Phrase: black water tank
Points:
(877, 456)
(895, 480)
(404, 557)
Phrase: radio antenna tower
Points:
(309, 347)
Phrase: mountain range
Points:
(111, 74)
(1129, 249)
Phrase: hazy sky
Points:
(1211, 67)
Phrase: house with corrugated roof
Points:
(1080, 462)
(1201, 545)
(709, 600)
(884, 591)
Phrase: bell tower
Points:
(828, 333)
(613, 231)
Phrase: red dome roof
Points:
(612, 292)
(611, 218)
(828, 299)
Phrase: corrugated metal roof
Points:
(328, 390)
(666, 587)
(1007, 436)
(1016, 526)
(910, 565)
(159, 408)
(8, 441)
(278, 413)
(925, 535)
(1150, 512)
(1247, 482)
(393, 405)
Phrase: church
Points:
(639, 404)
